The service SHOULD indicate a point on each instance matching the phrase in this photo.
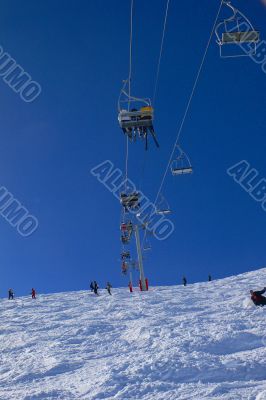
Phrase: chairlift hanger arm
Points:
(230, 19)
(222, 23)
(128, 98)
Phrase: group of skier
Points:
(256, 296)
(11, 294)
(95, 287)
(184, 280)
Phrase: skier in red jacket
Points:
(257, 297)
(33, 293)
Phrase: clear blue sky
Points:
(78, 52)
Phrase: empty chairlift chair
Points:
(238, 32)
(181, 165)
(162, 206)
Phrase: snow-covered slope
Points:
(204, 341)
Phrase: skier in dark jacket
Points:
(33, 293)
(257, 297)
(184, 281)
(109, 287)
(10, 294)
(95, 288)
(92, 287)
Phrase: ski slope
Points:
(203, 341)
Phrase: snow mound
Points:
(203, 341)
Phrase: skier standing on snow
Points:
(130, 287)
(33, 293)
(10, 294)
(209, 278)
(92, 287)
(95, 288)
(109, 287)
(184, 281)
(257, 297)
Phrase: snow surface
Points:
(203, 341)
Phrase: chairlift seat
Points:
(126, 227)
(181, 171)
(125, 255)
(125, 239)
(130, 200)
(240, 37)
(163, 212)
(147, 248)
(136, 119)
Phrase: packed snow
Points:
(203, 341)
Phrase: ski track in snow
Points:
(203, 341)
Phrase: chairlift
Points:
(127, 227)
(181, 165)
(125, 239)
(237, 30)
(134, 265)
(130, 201)
(125, 255)
(135, 116)
(163, 206)
(146, 245)
(124, 267)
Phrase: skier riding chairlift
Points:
(130, 201)
(125, 255)
(124, 267)
(126, 227)
(136, 121)
(125, 239)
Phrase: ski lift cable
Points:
(143, 169)
(188, 104)
(129, 84)
(160, 54)
(156, 82)
(130, 51)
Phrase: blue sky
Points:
(78, 52)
